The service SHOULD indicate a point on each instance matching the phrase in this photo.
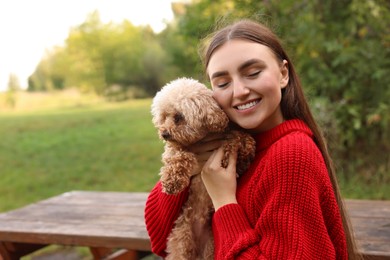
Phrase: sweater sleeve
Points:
(161, 212)
(289, 188)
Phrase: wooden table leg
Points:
(13, 251)
(100, 253)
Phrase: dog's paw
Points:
(225, 162)
(246, 153)
(228, 148)
(168, 188)
(244, 145)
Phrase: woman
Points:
(287, 205)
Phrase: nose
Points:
(239, 88)
(165, 135)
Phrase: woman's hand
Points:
(221, 183)
(204, 149)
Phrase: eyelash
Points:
(222, 85)
(251, 76)
(255, 74)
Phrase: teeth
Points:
(247, 105)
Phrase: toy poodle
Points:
(184, 112)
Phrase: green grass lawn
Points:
(93, 146)
(101, 147)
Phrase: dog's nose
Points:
(165, 135)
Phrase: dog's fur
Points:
(185, 112)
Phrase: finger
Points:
(214, 162)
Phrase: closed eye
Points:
(254, 74)
(221, 85)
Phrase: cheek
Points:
(222, 97)
(270, 84)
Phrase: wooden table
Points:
(104, 221)
(371, 223)
(99, 220)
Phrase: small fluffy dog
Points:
(184, 112)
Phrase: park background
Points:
(84, 121)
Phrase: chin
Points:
(249, 123)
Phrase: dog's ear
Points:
(216, 119)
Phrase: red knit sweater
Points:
(286, 206)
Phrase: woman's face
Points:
(247, 80)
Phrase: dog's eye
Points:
(178, 118)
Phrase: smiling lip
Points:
(247, 105)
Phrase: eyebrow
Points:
(249, 63)
(243, 66)
(219, 74)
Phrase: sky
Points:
(28, 28)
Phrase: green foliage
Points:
(84, 50)
(344, 60)
(97, 56)
(13, 87)
(51, 71)
(195, 24)
(13, 83)
(341, 50)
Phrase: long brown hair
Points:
(293, 104)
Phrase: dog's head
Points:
(184, 112)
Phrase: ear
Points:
(216, 119)
(284, 74)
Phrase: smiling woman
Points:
(30, 27)
(287, 205)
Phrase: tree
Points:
(97, 56)
(84, 51)
(13, 83)
(51, 72)
(13, 87)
